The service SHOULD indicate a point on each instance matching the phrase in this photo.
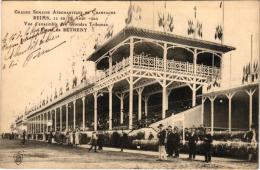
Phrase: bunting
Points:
(190, 27)
(250, 72)
(109, 31)
(199, 29)
(166, 22)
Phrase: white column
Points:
(60, 118)
(51, 120)
(202, 110)
(41, 123)
(110, 88)
(164, 87)
(229, 96)
(110, 64)
(67, 117)
(55, 119)
(212, 113)
(33, 125)
(131, 83)
(74, 114)
(122, 95)
(146, 98)
(193, 94)
(47, 119)
(131, 102)
(250, 93)
(83, 113)
(194, 79)
(95, 111)
(139, 92)
(164, 98)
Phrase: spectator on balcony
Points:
(207, 145)
(162, 138)
(192, 142)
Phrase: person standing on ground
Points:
(77, 136)
(93, 142)
(24, 134)
(192, 142)
(123, 141)
(50, 137)
(170, 141)
(161, 142)
(176, 142)
(208, 145)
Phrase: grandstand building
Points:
(146, 77)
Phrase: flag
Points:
(98, 41)
(199, 29)
(109, 32)
(170, 22)
(128, 20)
(219, 32)
(134, 14)
(190, 27)
(166, 22)
(195, 11)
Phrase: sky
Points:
(21, 85)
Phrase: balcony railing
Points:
(115, 68)
(155, 63)
(174, 66)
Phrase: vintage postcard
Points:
(129, 84)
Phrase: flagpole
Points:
(195, 25)
(153, 15)
(230, 70)
(251, 60)
(223, 19)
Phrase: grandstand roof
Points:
(157, 35)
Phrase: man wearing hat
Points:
(207, 145)
(192, 142)
(176, 141)
(93, 141)
(161, 142)
(170, 141)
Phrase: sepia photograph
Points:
(129, 84)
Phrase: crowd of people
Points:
(169, 143)
(169, 140)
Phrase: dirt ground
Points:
(43, 155)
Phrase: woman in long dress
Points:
(71, 137)
(77, 137)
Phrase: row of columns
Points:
(229, 95)
(165, 94)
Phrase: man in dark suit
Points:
(176, 141)
(208, 145)
(24, 134)
(170, 141)
(161, 142)
(192, 142)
